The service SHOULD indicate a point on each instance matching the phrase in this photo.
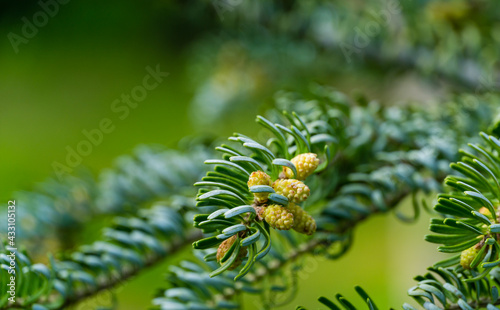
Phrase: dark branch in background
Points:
(273, 266)
(171, 249)
(392, 203)
(312, 245)
(127, 247)
(483, 302)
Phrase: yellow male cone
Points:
(302, 221)
(305, 164)
(468, 256)
(278, 217)
(259, 178)
(294, 190)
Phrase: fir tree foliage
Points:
(404, 151)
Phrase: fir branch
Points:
(171, 249)
(344, 203)
(124, 250)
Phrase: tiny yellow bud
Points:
(278, 217)
(294, 190)
(305, 164)
(303, 222)
(259, 178)
(485, 211)
(467, 257)
(225, 246)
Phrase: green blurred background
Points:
(65, 78)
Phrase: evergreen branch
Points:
(259, 188)
(172, 248)
(59, 208)
(469, 227)
(342, 194)
(125, 249)
(274, 265)
(402, 173)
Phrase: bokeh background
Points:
(226, 60)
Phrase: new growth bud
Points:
(225, 246)
(467, 257)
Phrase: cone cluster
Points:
(291, 216)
